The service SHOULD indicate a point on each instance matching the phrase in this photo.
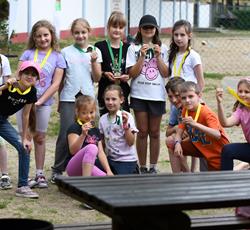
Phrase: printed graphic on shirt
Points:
(150, 69)
(197, 135)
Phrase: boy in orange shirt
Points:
(206, 135)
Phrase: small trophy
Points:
(89, 49)
(151, 46)
(116, 70)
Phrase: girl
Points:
(146, 63)
(118, 130)
(240, 116)
(42, 49)
(5, 182)
(183, 60)
(15, 96)
(84, 141)
(83, 69)
(114, 53)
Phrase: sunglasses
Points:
(148, 27)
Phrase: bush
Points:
(243, 19)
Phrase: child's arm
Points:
(163, 68)
(56, 81)
(177, 146)
(135, 70)
(226, 122)
(25, 123)
(103, 159)
(129, 135)
(171, 130)
(198, 70)
(96, 67)
(209, 131)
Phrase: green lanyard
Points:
(116, 66)
(88, 50)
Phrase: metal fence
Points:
(221, 29)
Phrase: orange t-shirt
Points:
(208, 146)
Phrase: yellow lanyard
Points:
(18, 90)
(45, 58)
(79, 122)
(178, 73)
(232, 92)
(198, 111)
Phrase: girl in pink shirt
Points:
(240, 116)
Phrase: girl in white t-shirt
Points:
(118, 130)
(147, 66)
(183, 60)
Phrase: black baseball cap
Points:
(148, 20)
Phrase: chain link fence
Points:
(221, 29)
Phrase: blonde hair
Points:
(116, 18)
(81, 21)
(43, 23)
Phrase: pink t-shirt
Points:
(242, 114)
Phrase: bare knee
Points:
(39, 138)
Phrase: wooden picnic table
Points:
(157, 201)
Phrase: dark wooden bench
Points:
(198, 223)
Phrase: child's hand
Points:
(124, 77)
(109, 173)
(27, 144)
(178, 150)
(219, 95)
(124, 119)
(86, 127)
(157, 51)
(11, 81)
(109, 75)
(93, 56)
(144, 49)
(188, 121)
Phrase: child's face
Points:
(147, 32)
(244, 92)
(174, 98)
(181, 37)
(113, 101)
(116, 32)
(80, 35)
(190, 100)
(43, 38)
(87, 113)
(28, 77)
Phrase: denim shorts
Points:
(156, 108)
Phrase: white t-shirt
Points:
(149, 85)
(78, 73)
(116, 146)
(187, 72)
(4, 68)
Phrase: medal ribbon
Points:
(82, 50)
(79, 122)
(198, 111)
(178, 73)
(115, 66)
(18, 90)
(45, 58)
(232, 92)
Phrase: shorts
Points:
(42, 118)
(156, 108)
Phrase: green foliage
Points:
(4, 12)
(243, 19)
(214, 75)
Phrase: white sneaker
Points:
(26, 192)
(38, 182)
(5, 182)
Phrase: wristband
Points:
(177, 141)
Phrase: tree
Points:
(4, 10)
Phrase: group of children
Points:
(116, 144)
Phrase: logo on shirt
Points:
(150, 69)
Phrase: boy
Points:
(16, 95)
(206, 135)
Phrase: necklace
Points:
(45, 58)
(197, 114)
(16, 89)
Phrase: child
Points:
(183, 60)
(5, 182)
(15, 96)
(114, 53)
(178, 164)
(240, 116)
(83, 69)
(206, 135)
(118, 130)
(84, 141)
(146, 62)
(42, 48)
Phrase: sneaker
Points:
(152, 171)
(38, 182)
(26, 192)
(53, 177)
(5, 182)
(143, 170)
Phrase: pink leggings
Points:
(85, 155)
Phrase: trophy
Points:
(116, 70)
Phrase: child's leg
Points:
(234, 151)
(3, 157)
(178, 164)
(82, 163)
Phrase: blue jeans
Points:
(8, 132)
(234, 151)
